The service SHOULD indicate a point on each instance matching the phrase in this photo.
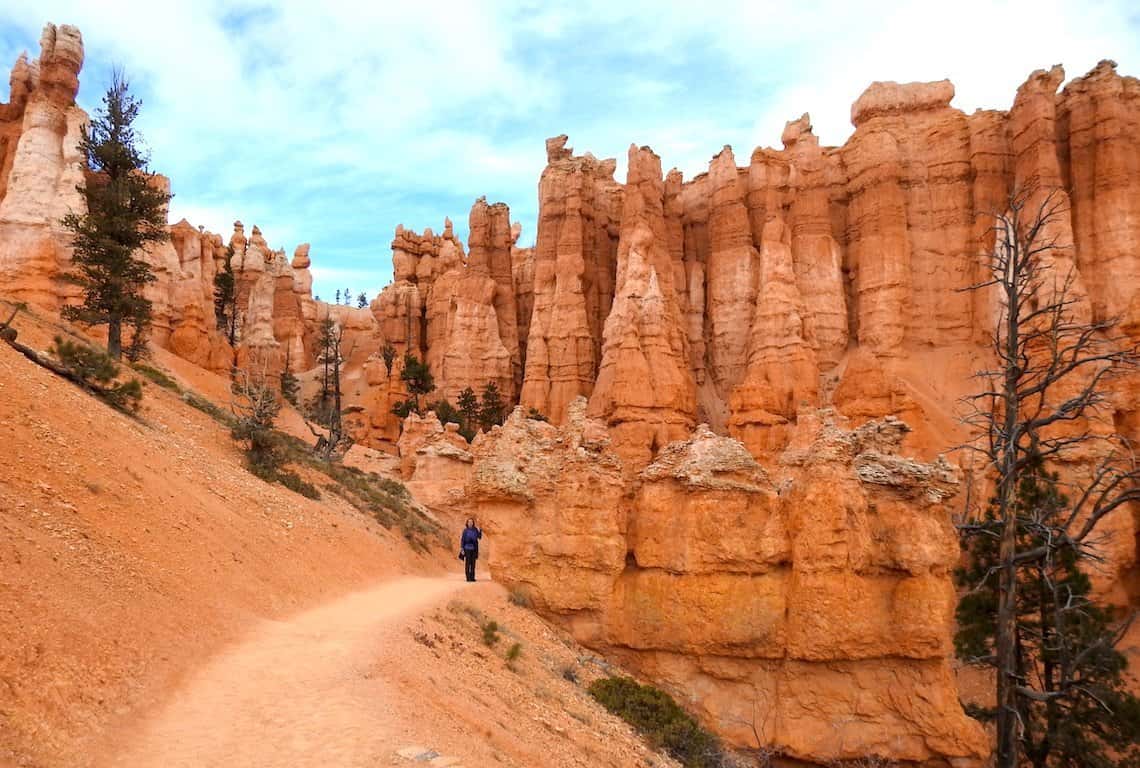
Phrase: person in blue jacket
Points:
(469, 547)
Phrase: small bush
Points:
(570, 675)
(97, 372)
(513, 653)
(657, 717)
(536, 415)
(208, 408)
(255, 409)
(490, 633)
(295, 483)
(158, 377)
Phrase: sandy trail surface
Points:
(308, 691)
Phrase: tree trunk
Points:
(1005, 633)
(115, 338)
(1007, 643)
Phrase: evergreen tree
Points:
(1080, 712)
(289, 384)
(469, 412)
(337, 301)
(491, 406)
(446, 412)
(347, 297)
(126, 211)
(1028, 612)
(361, 301)
(328, 357)
(225, 298)
(419, 381)
(255, 408)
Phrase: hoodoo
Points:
(734, 396)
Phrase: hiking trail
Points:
(307, 691)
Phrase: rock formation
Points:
(575, 266)
(645, 390)
(460, 312)
(40, 129)
(770, 599)
(811, 599)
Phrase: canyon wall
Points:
(807, 604)
(723, 496)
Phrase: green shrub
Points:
(491, 633)
(96, 371)
(295, 483)
(208, 408)
(255, 408)
(446, 412)
(513, 654)
(290, 387)
(384, 499)
(158, 377)
(536, 415)
(125, 397)
(657, 717)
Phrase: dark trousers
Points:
(469, 558)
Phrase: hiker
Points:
(469, 547)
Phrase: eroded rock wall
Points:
(786, 599)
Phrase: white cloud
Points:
(334, 122)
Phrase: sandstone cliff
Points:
(783, 601)
(797, 303)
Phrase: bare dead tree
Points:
(1028, 613)
(328, 409)
(255, 405)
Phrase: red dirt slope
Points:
(130, 550)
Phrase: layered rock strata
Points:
(780, 602)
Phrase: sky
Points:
(333, 122)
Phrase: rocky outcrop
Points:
(769, 598)
(645, 390)
(522, 275)
(558, 490)
(575, 267)
(40, 129)
(435, 460)
(491, 243)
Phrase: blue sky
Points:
(333, 122)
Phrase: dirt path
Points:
(303, 692)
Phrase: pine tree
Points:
(491, 406)
(361, 301)
(225, 298)
(419, 381)
(126, 211)
(289, 384)
(327, 356)
(337, 301)
(1066, 642)
(469, 411)
(1028, 612)
(446, 412)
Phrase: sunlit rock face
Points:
(40, 167)
(802, 591)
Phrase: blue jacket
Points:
(470, 540)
